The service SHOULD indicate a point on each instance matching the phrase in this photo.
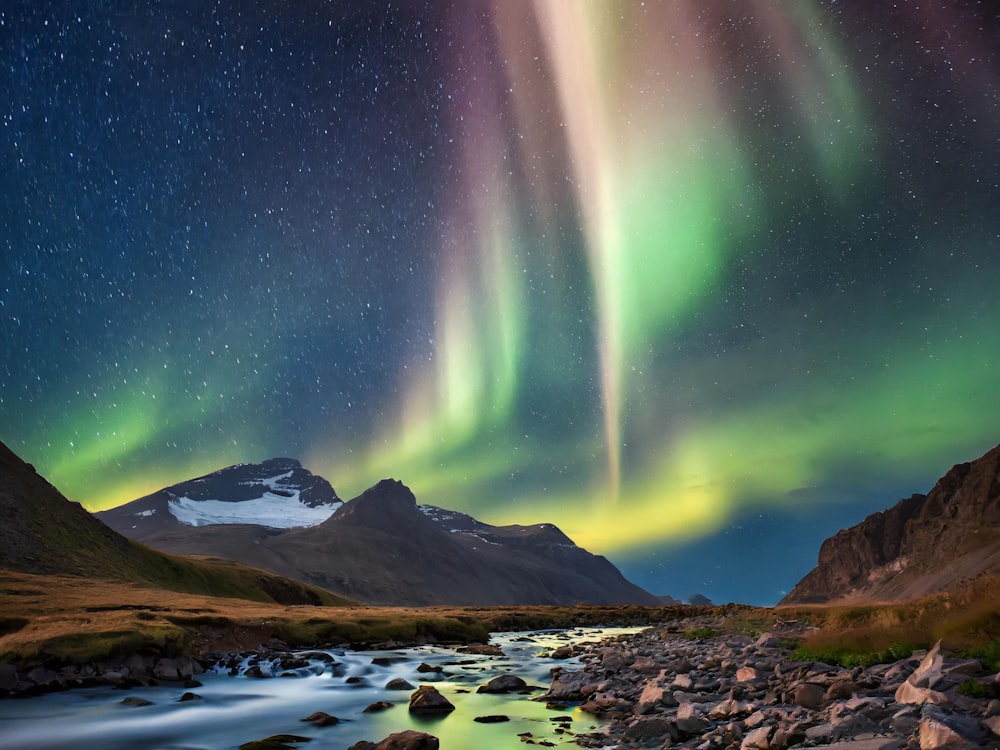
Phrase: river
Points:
(232, 710)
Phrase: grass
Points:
(849, 656)
(64, 619)
(60, 619)
(966, 620)
(702, 633)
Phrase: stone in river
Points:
(398, 684)
(427, 700)
(505, 683)
(133, 701)
(275, 742)
(408, 740)
(322, 719)
(492, 719)
(377, 706)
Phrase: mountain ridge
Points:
(384, 548)
(924, 544)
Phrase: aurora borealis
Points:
(699, 282)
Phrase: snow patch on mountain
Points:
(277, 511)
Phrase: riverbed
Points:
(231, 710)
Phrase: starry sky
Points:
(699, 281)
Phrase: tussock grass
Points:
(966, 620)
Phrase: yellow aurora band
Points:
(612, 184)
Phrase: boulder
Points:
(808, 695)
(427, 700)
(567, 686)
(757, 739)
(276, 742)
(652, 696)
(907, 692)
(747, 674)
(505, 683)
(936, 735)
(930, 670)
(398, 684)
(650, 728)
(408, 740)
(322, 719)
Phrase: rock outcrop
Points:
(922, 545)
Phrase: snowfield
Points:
(273, 510)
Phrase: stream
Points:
(233, 710)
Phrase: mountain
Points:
(382, 548)
(277, 493)
(924, 544)
(44, 533)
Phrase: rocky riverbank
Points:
(664, 689)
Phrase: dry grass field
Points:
(63, 619)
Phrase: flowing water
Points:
(233, 710)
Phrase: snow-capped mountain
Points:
(380, 547)
(278, 493)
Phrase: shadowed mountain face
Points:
(383, 548)
(42, 532)
(924, 544)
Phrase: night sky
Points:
(699, 281)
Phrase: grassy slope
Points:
(43, 532)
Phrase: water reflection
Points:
(234, 710)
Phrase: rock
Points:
(930, 670)
(168, 669)
(935, 734)
(505, 683)
(563, 652)
(377, 706)
(767, 640)
(424, 668)
(841, 690)
(408, 740)
(398, 684)
(567, 686)
(907, 692)
(808, 695)
(650, 728)
(481, 649)
(427, 700)
(187, 697)
(872, 743)
(757, 739)
(134, 701)
(492, 719)
(730, 708)
(993, 724)
(322, 719)
(747, 674)
(276, 742)
(8, 677)
(653, 696)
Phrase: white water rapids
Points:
(235, 710)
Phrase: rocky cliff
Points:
(924, 544)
